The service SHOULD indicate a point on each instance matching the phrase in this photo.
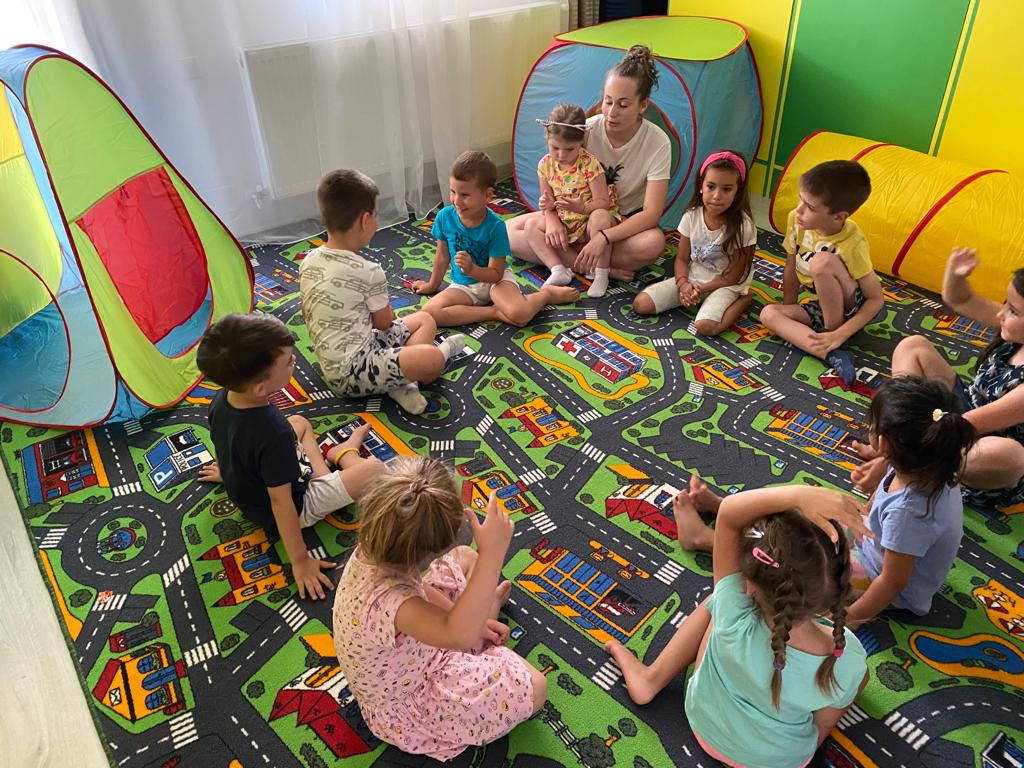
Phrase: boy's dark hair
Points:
(239, 349)
(1017, 281)
(810, 576)
(638, 63)
(567, 114)
(476, 166)
(843, 185)
(927, 451)
(343, 196)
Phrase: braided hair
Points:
(807, 575)
(413, 512)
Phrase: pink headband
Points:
(732, 157)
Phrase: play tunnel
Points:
(920, 208)
(111, 266)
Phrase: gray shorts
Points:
(665, 295)
(481, 292)
(374, 370)
(324, 494)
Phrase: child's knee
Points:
(912, 344)
(643, 304)
(769, 314)
(707, 327)
(826, 263)
(599, 219)
(422, 319)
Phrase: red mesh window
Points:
(151, 250)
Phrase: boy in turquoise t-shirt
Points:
(482, 287)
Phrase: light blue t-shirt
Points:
(902, 523)
(729, 698)
(486, 241)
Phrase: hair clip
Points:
(838, 652)
(779, 665)
(549, 123)
(763, 557)
(754, 533)
(938, 413)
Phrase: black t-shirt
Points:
(257, 449)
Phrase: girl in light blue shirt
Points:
(771, 678)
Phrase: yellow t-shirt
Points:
(849, 244)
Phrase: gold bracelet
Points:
(337, 459)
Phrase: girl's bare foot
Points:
(703, 497)
(354, 440)
(691, 533)
(563, 294)
(625, 275)
(634, 673)
(868, 475)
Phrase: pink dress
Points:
(422, 699)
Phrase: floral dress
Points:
(995, 378)
(572, 182)
(422, 699)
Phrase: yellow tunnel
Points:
(920, 208)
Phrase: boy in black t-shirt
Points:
(270, 465)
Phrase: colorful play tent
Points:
(111, 266)
(921, 207)
(708, 96)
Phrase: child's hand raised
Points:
(495, 532)
(962, 261)
(822, 505)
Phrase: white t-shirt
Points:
(339, 290)
(706, 244)
(645, 157)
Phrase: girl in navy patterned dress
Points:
(993, 402)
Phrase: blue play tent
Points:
(709, 94)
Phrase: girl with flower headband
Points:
(713, 267)
(424, 654)
(917, 512)
(771, 677)
(573, 186)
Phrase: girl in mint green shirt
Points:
(771, 678)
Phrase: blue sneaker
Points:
(842, 362)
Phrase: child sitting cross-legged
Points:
(362, 347)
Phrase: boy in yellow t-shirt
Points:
(829, 257)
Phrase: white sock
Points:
(451, 346)
(409, 398)
(599, 284)
(560, 275)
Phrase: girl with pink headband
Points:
(713, 267)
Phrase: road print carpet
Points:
(194, 649)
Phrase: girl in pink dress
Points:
(424, 653)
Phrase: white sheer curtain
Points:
(55, 23)
(426, 83)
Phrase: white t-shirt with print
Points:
(645, 157)
(339, 290)
(706, 244)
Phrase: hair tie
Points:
(838, 652)
(549, 123)
(938, 413)
(732, 157)
(780, 665)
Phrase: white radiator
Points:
(301, 139)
